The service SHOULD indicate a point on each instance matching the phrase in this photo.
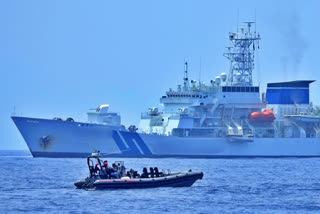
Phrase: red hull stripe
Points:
(107, 181)
(117, 180)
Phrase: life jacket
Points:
(96, 168)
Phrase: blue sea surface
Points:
(257, 185)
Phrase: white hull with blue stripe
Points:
(73, 139)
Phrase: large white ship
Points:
(227, 118)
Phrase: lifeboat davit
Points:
(266, 116)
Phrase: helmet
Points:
(105, 163)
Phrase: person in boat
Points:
(110, 172)
(115, 166)
(96, 168)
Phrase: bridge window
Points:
(238, 89)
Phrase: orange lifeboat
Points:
(266, 116)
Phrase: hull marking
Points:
(134, 142)
(132, 146)
(119, 143)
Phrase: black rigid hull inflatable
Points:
(98, 179)
(181, 179)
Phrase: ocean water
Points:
(258, 185)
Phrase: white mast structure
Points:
(241, 56)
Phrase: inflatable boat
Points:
(116, 177)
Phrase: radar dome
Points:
(223, 76)
(218, 79)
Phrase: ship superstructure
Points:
(229, 117)
(220, 109)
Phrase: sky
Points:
(61, 58)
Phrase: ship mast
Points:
(185, 78)
(241, 55)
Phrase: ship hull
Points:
(54, 138)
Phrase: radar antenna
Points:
(241, 55)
